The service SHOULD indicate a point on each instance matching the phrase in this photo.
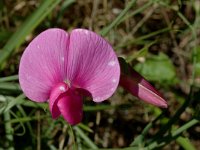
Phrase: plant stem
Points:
(171, 137)
(9, 131)
(86, 139)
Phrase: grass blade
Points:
(185, 143)
(85, 137)
(9, 131)
(27, 27)
(9, 78)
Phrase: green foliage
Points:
(26, 28)
(185, 143)
(158, 68)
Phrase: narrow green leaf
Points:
(9, 78)
(98, 107)
(26, 119)
(86, 139)
(8, 86)
(85, 127)
(160, 142)
(13, 102)
(9, 131)
(185, 143)
(27, 27)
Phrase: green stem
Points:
(140, 138)
(9, 131)
(25, 119)
(171, 137)
(185, 143)
(167, 126)
(185, 127)
(165, 140)
(86, 139)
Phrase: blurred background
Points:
(160, 39)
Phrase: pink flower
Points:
(139, 86)
(60, 68)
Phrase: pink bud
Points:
(139, 86)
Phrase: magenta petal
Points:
(138, 86)
(56, 93)
(71, 107)
(43, 64)
(92, 64)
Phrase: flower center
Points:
(68, 83)
(67, 102)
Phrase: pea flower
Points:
(61, 68)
